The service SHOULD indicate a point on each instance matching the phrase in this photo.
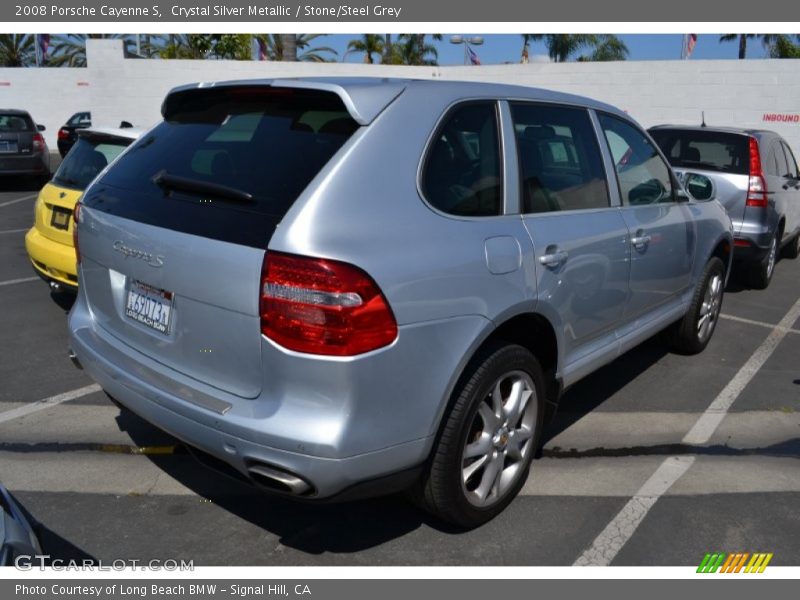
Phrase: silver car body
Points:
(754, 224)
(452, 282)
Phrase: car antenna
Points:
(703, 113)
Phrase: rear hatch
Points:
(172, 237)
(91, 154)
(16, 135)
(723, 157)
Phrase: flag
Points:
(42, 45)
(689, 42)
(473, 58)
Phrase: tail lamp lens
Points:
(321, 306)
(757, 186)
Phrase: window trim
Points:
(434, 134)
(673, 178)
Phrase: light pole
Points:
(474, 40)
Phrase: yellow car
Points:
(49, 242)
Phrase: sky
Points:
(500, 48)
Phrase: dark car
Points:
(17, 538)
(67, 134)
(23, 150)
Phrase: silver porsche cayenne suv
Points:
(340, 287)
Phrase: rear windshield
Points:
(12, 123)
(265, 142)
(710, 150)
(85, 161)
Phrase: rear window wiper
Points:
(184, 184)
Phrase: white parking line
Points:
(758, 323)
(622, 527)
(22, 280)
(14, 230)
(16, 413)
(711, 418)
(10, 202)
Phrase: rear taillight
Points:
(756, 186)
(63, 134)
(38, 142)
(76, 218)
(320, 306)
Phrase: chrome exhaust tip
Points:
(278, 480)
(55, 286)
(74, 358)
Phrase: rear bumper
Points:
(751, 247)
(51, 260)
(36, 164)
(331, 426)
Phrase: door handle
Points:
(554, 258)
(640, 241)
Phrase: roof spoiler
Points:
(363, 98)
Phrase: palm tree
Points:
(560, 47)
(412, 49)
(369, 44)
(289, 42)
(741, 37)
(608, 48)
(387, 49)
(782, 46)
(17, 50)
(526, 42)
(275, 50)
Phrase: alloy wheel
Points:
(500, 439)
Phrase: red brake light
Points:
(76, 218)
(321, 306)
(757, 186)
(38, 142)
(63, 134)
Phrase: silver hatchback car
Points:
(339, 287)
(757, 180)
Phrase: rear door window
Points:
(268, 143)
(462, 174)
(561, 167)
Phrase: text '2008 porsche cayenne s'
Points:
(339, 287)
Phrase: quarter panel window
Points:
(644, 177)
(791, 162)
(462, 174)
(561, 167)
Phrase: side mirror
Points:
(40, 128)
(699, 187)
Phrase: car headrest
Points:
(540, 132)
(692, 154)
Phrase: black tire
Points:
(792, 249)
(688, 336)
(760, 273)
(442, 490)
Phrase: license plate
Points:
(149, 306)
(6, 146)
(60, 218)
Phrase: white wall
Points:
(731, 92)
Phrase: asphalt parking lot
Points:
(653, 460)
